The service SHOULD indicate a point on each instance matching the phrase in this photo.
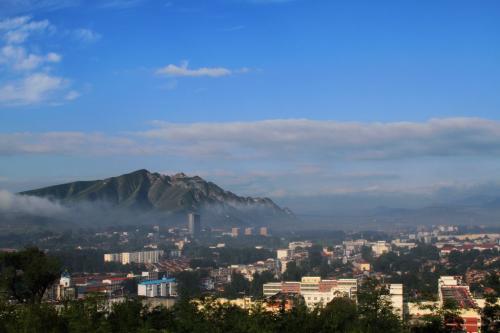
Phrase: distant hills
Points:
(174, 195)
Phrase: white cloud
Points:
(35, 88)
(87, 35)
(295, 155)
(30, 79)
(13, 203)
(72, 95)
(18, 29)
(183, 70)
(63, 143)
(17, 58)
(302, 139)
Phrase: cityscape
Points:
(249, 166)
(419, 271)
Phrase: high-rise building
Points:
(194, 224)
(248, 231)
(263, 231)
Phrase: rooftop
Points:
(163, 280)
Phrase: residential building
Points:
(235, 232)
(314, 290)
(157, 288)
(381, 247)
(141, 257)
(451, 288)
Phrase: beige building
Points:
(380, 248)
(314, 290)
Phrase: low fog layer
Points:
(101, 214)
(23, 204)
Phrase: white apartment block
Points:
(157, 288)
(141, 257)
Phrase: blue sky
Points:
(278, 98)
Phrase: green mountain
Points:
(175, 194)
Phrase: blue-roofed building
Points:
(165, 287)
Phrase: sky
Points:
(264, 97)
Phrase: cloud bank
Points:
(276, 139)
(12, 203)
(284, 157)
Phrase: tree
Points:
(26, 275)
(441, 320)
(375, 310)
(188, 284)
(491, 315)
(340, 315)
(83, 316)
(293, 272)
(366, 253)
(258, 281)
(238, 287)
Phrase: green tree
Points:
(293, 272)
(491, 315)
(374, 309)
(26, 275)
(340, 315)
(238, 287)
(441, 320)
(258, 281)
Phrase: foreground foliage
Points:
(25, 275)
(372, 314)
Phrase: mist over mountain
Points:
(153, 196)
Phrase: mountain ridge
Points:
(173, 194)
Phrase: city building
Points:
(248, 231)
(263, 231)
(396, 298)
(235, 232)
(141, 257)
(194, 224)
(451, 288)
(362, 265)
(65, 290)
(314, 290)
(283, 253)
(380, 248)
(157, 288)
(303, 245)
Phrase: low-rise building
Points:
(381, 247)
(451, 288)
(314, 290)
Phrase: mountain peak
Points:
(180, 175)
